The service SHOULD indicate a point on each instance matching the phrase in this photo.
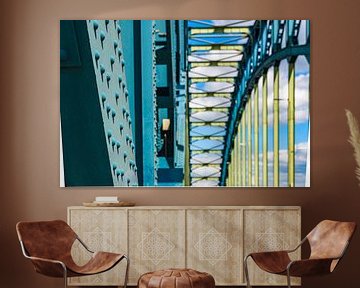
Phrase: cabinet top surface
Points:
(192, 207)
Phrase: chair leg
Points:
(65, 276)
(127, 271)
(246, 270)
(288, 278)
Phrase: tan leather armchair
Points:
(48, 245)
(328, 242)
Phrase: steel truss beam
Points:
(265, 50)
(215, 55)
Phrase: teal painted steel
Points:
(135, 72)
(139, 56)
(128, 46)
(170, 101)
(109, 66)
(85, 142)
(180, 94)
(154, 52)
(148, 94)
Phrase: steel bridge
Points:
(181, 102)
(228, 65)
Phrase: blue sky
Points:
(301, 124)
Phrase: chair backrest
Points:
(329, 239)
(46, 239)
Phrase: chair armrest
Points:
(309, 267)
(46, 260)
(298, 246)
(280, 251)
(267, 254)
(271, 261)
(49, 267)
(84, 245)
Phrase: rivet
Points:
(115, 46)
(113, 114)
(108, 109)
(112, 61)
(119, 54)
(97, 57)
(109, 134)
(95, 27)
(113, 143)
(120, 80)
(103, 99)
(108, 78)
(114, 166)
(102, 38)
(102, 71)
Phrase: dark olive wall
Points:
(29, 120)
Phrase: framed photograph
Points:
(202, 103)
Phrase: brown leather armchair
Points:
(328, 242)
(48, 245)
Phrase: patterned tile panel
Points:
(156, 241)
(214, 241)
(100, 230)
(270, 230)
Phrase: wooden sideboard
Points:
(212, 239)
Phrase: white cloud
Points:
(302, 33)
(235, 23)
(300, 166)
(213, 71)
(301, 93)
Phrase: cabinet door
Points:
(156, 240)
(101, 230)
(270, 230)
(214, 244)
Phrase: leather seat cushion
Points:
(176, 278)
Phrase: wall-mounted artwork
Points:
(185, 103)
